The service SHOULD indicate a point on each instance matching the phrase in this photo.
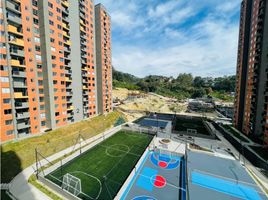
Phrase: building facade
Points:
(103, 59)
(48, 73)
(251, 101)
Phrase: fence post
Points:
(36, 161)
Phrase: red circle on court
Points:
(162, 164)
(159, 181)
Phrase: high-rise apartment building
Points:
(251, 102)
(103, 59)
(48, 73)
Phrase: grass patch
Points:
(43, 189)
(235, 133)
(16, 156)
(222, 96)
(182, 124)
(105, 167)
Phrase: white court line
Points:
(111, 147)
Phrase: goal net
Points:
(71, 184)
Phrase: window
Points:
(34, 2)
(4, 79)
(35, 12)
(6, 101)
(7, 112)
(38, 57)
(50, 13)
(42, 115)
(9, 132)
(51, 22)
(36, 39)
(5, 90)
(58, 10)
(35, 21)
(37, 48)
(43, 123)
(3, 68)
(8, 122)
(35, 30)
(50, 5)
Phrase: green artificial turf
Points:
(109, 162)
(182, 124)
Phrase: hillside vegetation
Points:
(181, 87)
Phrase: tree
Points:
(198, 93)
(185, 80)
(198, 82)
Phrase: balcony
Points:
(82, 29)
(65, 3)
(69, 93)
(67, 42)
(15, 62)
(70, 108)
(16, 41)
(14, 29)
(21, 105)
(82, 22)
(68, 79)
(17, 52)
(65, 34)
(13, 7)
(22, 115)
(18, 84)
(14, 18)
(19, 74)
(19, 95)
(64, 25)
(67, 49)
(23, 125)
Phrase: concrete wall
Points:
(46, 64)
(75, 57)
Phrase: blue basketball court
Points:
(160, 176)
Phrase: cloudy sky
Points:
(168, 37)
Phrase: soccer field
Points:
(104, 168)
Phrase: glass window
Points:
(5, 90)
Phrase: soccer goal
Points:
(71, 184)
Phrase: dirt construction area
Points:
(135, 104)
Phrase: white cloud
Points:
(163, 8)
(149, 38)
